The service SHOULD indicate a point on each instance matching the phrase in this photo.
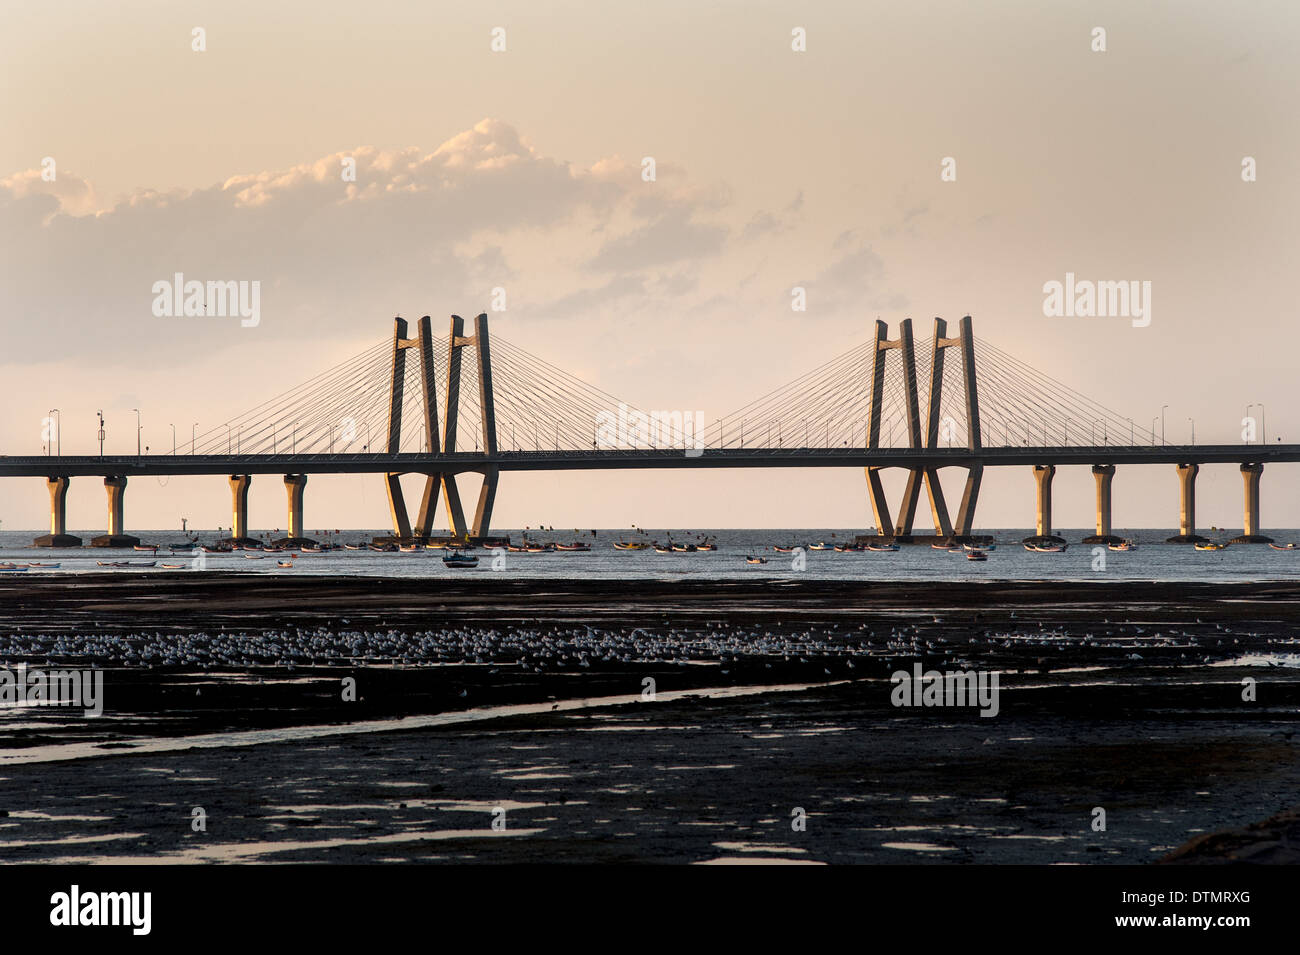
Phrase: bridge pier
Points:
(115, 485)
(1250, 474)
(239, 484)
(58, 535)
(1043, 474)
(294, 486)
(1186, 506)
(487, 496)
(1105, 474)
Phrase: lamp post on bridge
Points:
(101, 432)
(1162, 424)
(173, 427)
(1193, 430)
(137, 431)
(193, 431)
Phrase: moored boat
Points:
(458, 559)
(1210, 545)
(976, 555)
(1124, 545)
(884, 548)
(756, 560)
(1282, 546)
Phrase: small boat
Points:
(976, 555)
(756, 560)
(355, 546)
(1046, 548)
(984, 547)
(39, 566)
(535, 549)
(150, 548)
(661, 549)
(848, 548)
(783, 550)
(685, 548)
(1124, 545)
(885, 548)
(12, 569)
(630, 545)
(284, 563)
(408, 548)
(458, 559)
(172, 566)
(254, 557)
(575, 546)
(384, 548)
(1282, 546)
(943, 545)
(126, 563)
(186, 545)
(706, 546)
(820, 545)
(1210, 545)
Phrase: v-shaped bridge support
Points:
(929, 476)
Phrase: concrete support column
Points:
(239, 484)
(115, 485)
(1043, 474)
(397, 506)
(58, 535)
(879, 503)
(294, 485)
(1250, 475)
(1187, 505)
(1104, 474)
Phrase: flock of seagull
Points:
(562, 648)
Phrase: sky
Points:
(522, 169)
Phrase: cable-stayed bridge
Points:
(467, 402)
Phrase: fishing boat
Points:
(1123, 545)
(408, 548)
(630, 545)
(171, 566)
(575, 546)
(1282, 546)
(706, 546)
(358, 546)
(662, 549)
(1210, 545)
(848, 548)
(458, 559)
(535, 549)
(756, 560)
(284, 563)
(943, 545)
(984, 547)
(126, 563)
(146, 547)
(783, 550)
(685, 548)
(384, 548)
(884, 548)
(976, 555)
(254, 557)
(820, 545)
(38, 565)
(12, 569)
(1046, 548)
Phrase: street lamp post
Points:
(138, 429)
(1162, 424)
(101, 432)
(1193, 430)
(194, 429)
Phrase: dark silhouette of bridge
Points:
(423, 405)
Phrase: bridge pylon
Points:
(929, 476)
(442, 482)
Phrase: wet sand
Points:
(1123, 696)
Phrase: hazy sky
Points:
(522, 169)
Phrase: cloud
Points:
(416, 230)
